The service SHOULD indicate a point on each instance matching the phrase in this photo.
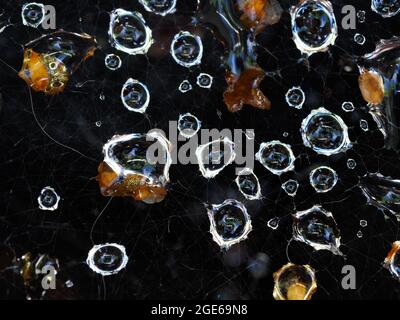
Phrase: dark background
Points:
(171, 253)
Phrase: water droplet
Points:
(323, 179)
(294, 282)
(386, 8)
(107, 259)
(363, 223)
(135, 96)
(381, 192)
(273, 223)
(48, 199)
(359, 39)
(204, 80)
(359, 234)
(276, 156)
(187, 49)
(188, 125)
(229, 223)
(214, 156)
(185, 86)
(295, 97)
(98, 123)
(290, 187)
(113, 62)
(325, 132)
(129, 33)
(33, 14)
(348, 106)
(313, 26)
(130, 169)
(364, 125)
(248, 184)
(351, 164)
(317, 228)
(160, 7)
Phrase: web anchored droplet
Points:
(229, 223)
(248, 184)
(129, 33)
(313, 26)
(317, 228)
(325, 132)
(276, 156)
(107, 259)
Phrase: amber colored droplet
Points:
(296, 292)
(132, 185)
(294, 282)
(372, 87)
(257, 14)
(244, 89)
(50, 60)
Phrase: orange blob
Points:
(371, 86)
(244, 89)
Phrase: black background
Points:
(171, 253)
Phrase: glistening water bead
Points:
(32, 14)
(248, 184)
(276, 156)
(187, 49)
(325, 132)
(204, 80)
(295, 97)
(135, 96)
(290, 187)
(188, 125)
(113, 62)
(229, 223)
(129, 33)
(323, 179)
(48, 199)
(160, 7)
(107, 259)
(386, 8)
(313, 26)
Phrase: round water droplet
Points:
(285, 134)
(359, 234)
(323, 179)
(229, 223)
(129, 33)
(290, 187)
(204, 80)
(188, 125)
(276, 156)
(348, 106)
(363, 223)
(107, 259)
(98, 124)
(273, 223)
(364, 125)
(294, 282)
(135, 96)
(48, 199)
(295, 97)
(160, 7)
(113, 62)
(386, 8)
(313, 26)
(33, 14)
(359, 39)
(351, 164)
(185, 86)
(187, 49)
(325, 132)
(214, 156)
